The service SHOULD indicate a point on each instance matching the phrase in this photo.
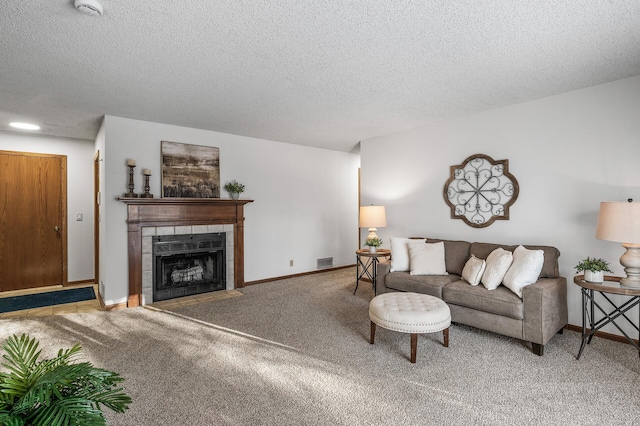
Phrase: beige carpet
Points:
(296, 352)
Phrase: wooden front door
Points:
(32, 220)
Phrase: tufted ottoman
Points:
(410, 313)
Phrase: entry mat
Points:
(39, 300)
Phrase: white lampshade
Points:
(372, 217)
(620, 222)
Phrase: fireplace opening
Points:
(188, 264)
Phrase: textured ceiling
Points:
(325, 73)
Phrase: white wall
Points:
(79, 193)
(568, 152)
(305, 204)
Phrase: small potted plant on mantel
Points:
(373, 244)
(593, 268)
(234, 188)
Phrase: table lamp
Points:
(372, 217)
(620, 222)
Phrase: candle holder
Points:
(131, 185)
(146, 193)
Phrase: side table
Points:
(369, 265)
(611, 285)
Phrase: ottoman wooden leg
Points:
(373, 332)
(445, 333)
(414, 346)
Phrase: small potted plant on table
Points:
(373, 244)
(593, 268)
(234, 188)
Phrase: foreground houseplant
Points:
(55, 391)
(234, 188)
(593, 268)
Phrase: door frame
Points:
(359, 204)
(96, 217)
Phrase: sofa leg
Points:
(561, 331)
(537, 349)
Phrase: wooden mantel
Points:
(143, 212)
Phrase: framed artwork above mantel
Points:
(190, 171)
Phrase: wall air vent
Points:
(327, 262)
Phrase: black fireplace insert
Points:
(188, 264)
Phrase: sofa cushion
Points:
(426, 259)
(500, 301)
(472, 272)
(498, 263)
(426, 284)
(551, 254)
(456, 254)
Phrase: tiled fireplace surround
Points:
(177, 216)
(149, 232)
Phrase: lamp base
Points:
(372, 234)
(631, 262)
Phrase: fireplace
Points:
(151, 217)
(188, 264)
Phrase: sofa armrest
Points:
(545, 309)
(383, 268)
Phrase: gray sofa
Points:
(536, 318)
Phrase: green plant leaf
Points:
(8, 419)
(22, 355)
(70, 411)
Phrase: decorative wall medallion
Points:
(481, 190)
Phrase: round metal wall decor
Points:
(481, 190)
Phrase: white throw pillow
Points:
(473, 269)
(525, 269)
(400, 254)
(427, 259)
(498, 263)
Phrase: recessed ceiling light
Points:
(24, 126)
